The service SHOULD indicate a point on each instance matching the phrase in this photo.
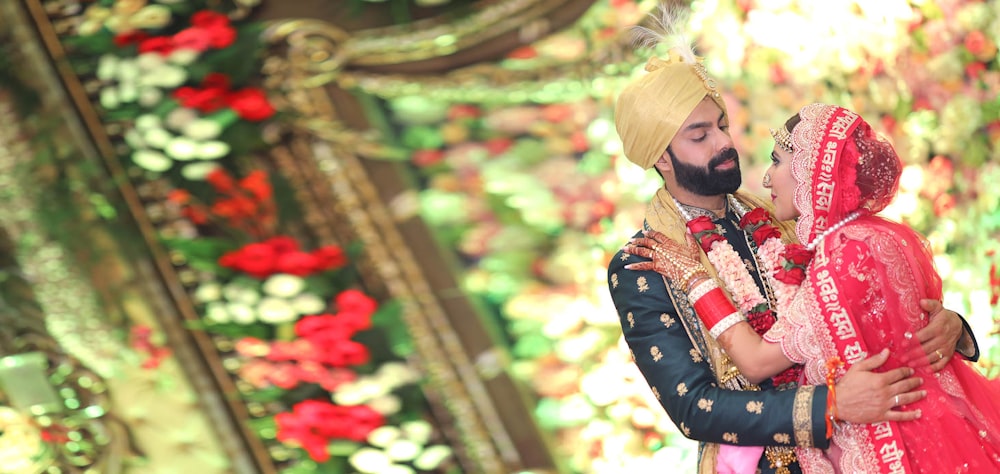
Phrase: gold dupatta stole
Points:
(663, 216)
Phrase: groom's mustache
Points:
(724, 156)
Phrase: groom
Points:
(673, 119)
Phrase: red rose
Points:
(209, 19)
(330, 257)
(707, 240)
(324, 326)
(255, 259)
(131, 37)
(221, 181)
(355, 301)
(791, 276)
(197, 39)
(250, 104)
(796, 254)
(282, 244)
(204, 100)
(258, 185)
(347, 353)
(296, 262)
(700, 224)
(755, 217)
(158, 44)
(765, 232)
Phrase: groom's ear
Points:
(663, 164)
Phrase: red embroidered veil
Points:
(862, 294)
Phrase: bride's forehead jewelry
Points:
(782, 138)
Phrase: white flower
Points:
(275, 311)
(151, 16)
(150, 96)
(403, 450)
(157, 137)
(432, 458)
(147, 121)
(151, 160)
(181, 149)
(284, 285)
(217, 312)
(109, 98)
(198, 171)
(397, 469)
(127, 92)
(107, 67)
(183, 57)
(238, 293)
(418, 431)
(207, 292)
(384, 436)
(348, 395)
(134, 139)
(397, 374)
(167, 76)
(202, 129)
(241, 313)
(147, 62)
(387, 405)
(369, 460)
(178, 118)
(212, 150)
(308, 303)
(128, 70)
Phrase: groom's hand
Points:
(865, 396)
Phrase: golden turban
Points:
(652, 108)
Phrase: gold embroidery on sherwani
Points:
(631, 319)
(655, 352)
(755, 407)
(656, 393)
(682, 389)
(667, 320)
(624, 257)
(695, 356)
(802, 416)
(782, 438)
(662, 215)
(614, 280)
(705, 404)
(685, 429)
(642, 284)
(730, 438)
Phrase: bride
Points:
(853, 289)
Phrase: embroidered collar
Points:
(694, 211)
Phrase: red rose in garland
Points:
(765, 232)
(705, 232)
(755, 218)
(794, 260)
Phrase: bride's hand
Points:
(680, 263)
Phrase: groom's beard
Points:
(708, 181)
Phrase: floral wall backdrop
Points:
(530, 189)
(319, 363)
(533, 193)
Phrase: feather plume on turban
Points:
(652, 108)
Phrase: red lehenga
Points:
(879, 270)
(862, 294)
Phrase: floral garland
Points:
(785, 269)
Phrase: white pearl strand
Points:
(819, 238)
